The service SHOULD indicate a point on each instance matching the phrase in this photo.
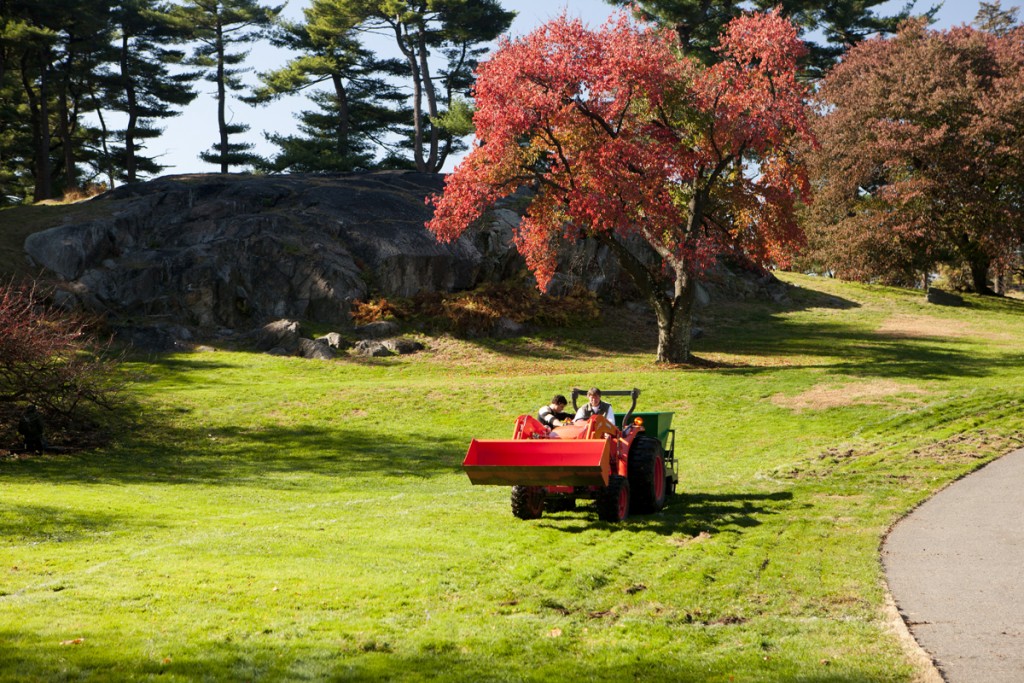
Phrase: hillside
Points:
(316, 521)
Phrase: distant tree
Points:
(218, 26)
(51, 53)
(458, 29)
(843, 23)
(991, 17)
(921, 160)
(627, 143)
(357, 111)
(145, 85)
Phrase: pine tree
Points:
(143, 86)
(356, 112)
(455, 28)
(219, 26)
(844, 23)
(991, 17)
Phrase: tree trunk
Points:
(64, 125)
(417, 96)
(133, 112)
(674, 311)
(40, 115)
(222, 97)
(675, 321)
(979, 274)
(428, 87)
(341, 130)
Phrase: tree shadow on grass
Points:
(685, 515)
(22, 523)
(266, 457)
(762, 330)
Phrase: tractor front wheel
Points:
(528, 501)
(613, 502)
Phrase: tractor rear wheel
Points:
(613, 502)
(647, 475)
(528, 501)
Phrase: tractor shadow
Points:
(686, 515)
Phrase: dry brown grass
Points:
(916, 326)
(824, 396)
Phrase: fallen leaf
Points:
(555, 633)
(76, 641)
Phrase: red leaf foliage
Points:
(623, 138)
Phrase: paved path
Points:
(956, 569)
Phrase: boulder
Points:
(335, 341)
(506, 327)
(402, 345)
(280, 334)
(377, 329)
(371, 348)
(313, 349)
(944, 298)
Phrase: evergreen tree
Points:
(219, 26)
(455, 28)
(844, 23)
(357, 111)
(991, 17)
(143, 86)
(51, 55)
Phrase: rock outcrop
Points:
(182, 258)
(236, 251)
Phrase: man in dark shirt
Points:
(554, 415)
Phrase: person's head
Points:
(594, 396)
(558, 402)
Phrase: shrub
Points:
(475, 312)
(54, 360)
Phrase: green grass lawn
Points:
(277, 518)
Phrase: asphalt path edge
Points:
(927, 667)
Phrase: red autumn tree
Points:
(921, 158)
(645, 151)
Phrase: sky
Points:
(194, 131)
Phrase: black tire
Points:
(647, 478)
(613, 501)
(528, 501)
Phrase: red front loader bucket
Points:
(540, 462)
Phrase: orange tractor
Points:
(627, 467)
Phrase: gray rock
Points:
(335, 341)
(701, 296)
(377, 330)
(282, 334)
(402, 345)
(153, 338)
(316, 350)
(944, 298)
(238, 250)
(372, 348)
(506, 327)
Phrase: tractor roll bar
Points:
(634, 393)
